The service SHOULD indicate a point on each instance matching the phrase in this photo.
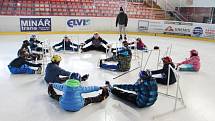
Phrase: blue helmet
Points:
(145, 74)
(75, 76)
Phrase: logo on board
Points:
(78, 22)
(198, 31)
(35, 24)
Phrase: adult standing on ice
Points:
(122, 21)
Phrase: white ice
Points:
(25, 98)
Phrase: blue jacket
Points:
(146, 92)
(72, 99)
(53, 71)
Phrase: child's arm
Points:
(187, 61)
(73, 44)
(88, 41)
(59, 44)
(31, 64)
(90, 89)
(63, 72)
(57, 86)
(104, 42)
(158, 71)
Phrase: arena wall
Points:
(102, 24)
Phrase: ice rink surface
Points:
(25, 98)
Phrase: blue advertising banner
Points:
(35, 24)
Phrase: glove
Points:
(40, 64)
(85, 77)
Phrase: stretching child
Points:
(67, 45)
(53, 71)
(138, 44)
(190, 64)
(145, 90)
(21, 66)
(123, 57)
(31, 56)
(97, 42)
(164, 72)
(72, 99)
(34, 44)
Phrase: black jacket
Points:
(67, 44)
(96, 42)
(164, 72)
(122, 19)
(18, 62)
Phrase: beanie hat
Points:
(72, 83)
(121, 9)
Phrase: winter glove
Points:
(85, 77)
(40, 64)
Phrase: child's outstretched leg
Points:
(130, 97)
(186, 67)
(98, 98)
(108, 67)
(52, 93)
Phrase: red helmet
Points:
(167, 59)
(194, 52)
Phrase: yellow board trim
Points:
(107, 32)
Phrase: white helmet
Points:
(33, 36)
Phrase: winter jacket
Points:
(146, 91)
(72, 99)
(122, 19)
(96, 42)
(18, 62)
(164, 72)
(53, 71)
(67, 44)
(195, 61)
(124, 61)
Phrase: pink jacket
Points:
(195, 61)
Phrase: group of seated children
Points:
(144, 91)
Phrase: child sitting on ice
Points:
(123, 57)
(21, 66)
(97, 42)
(72, 99)
(53, 71)
(34, 44)
(138, 44)
(31, 55)
(190, 64)
(66, 44)
(164, 72)
(145, 90)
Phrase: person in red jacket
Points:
(138, 44)
(190, 64)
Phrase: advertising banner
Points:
(178, 28)
(35, 24)
(143, 25)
